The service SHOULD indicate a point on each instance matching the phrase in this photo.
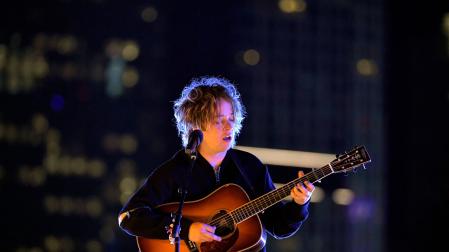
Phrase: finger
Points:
(216, 237)
(300, 174)
(302, 191)
(209, 228)
(209, 233)
(310, 187)
(294, 192)
(298, 196)
(210, 237)
(297, 192)
(300, 187)
(206, 236)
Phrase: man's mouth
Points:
(227, 138)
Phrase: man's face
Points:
(218, 136)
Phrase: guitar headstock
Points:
(350, 160)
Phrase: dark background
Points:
(305, 93)
(417, 86)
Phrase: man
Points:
(212, 105)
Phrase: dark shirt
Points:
(242, 168)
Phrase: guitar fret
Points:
(263, 202)
(314, 175)
(322, 172)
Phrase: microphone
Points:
(195, 139)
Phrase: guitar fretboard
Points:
(265, 201)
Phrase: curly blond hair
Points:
(198, 105)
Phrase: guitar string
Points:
(244, 211)
(261, 203)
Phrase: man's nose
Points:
(228, 124)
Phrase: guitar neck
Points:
(265, 201)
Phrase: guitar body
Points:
(245, 236)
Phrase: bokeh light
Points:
(130, 77)
(366, 67)
(130, 50)
(40, 123)
(343, 196)
(292, 6)
(149, 14)
(251, 57)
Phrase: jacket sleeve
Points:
(283, 219)
(140, 216)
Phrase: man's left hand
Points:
(302, 192)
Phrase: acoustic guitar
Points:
(234, 215)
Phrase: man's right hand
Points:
(200, 232)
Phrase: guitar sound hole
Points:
(223, 223)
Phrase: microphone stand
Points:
(183, 191)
